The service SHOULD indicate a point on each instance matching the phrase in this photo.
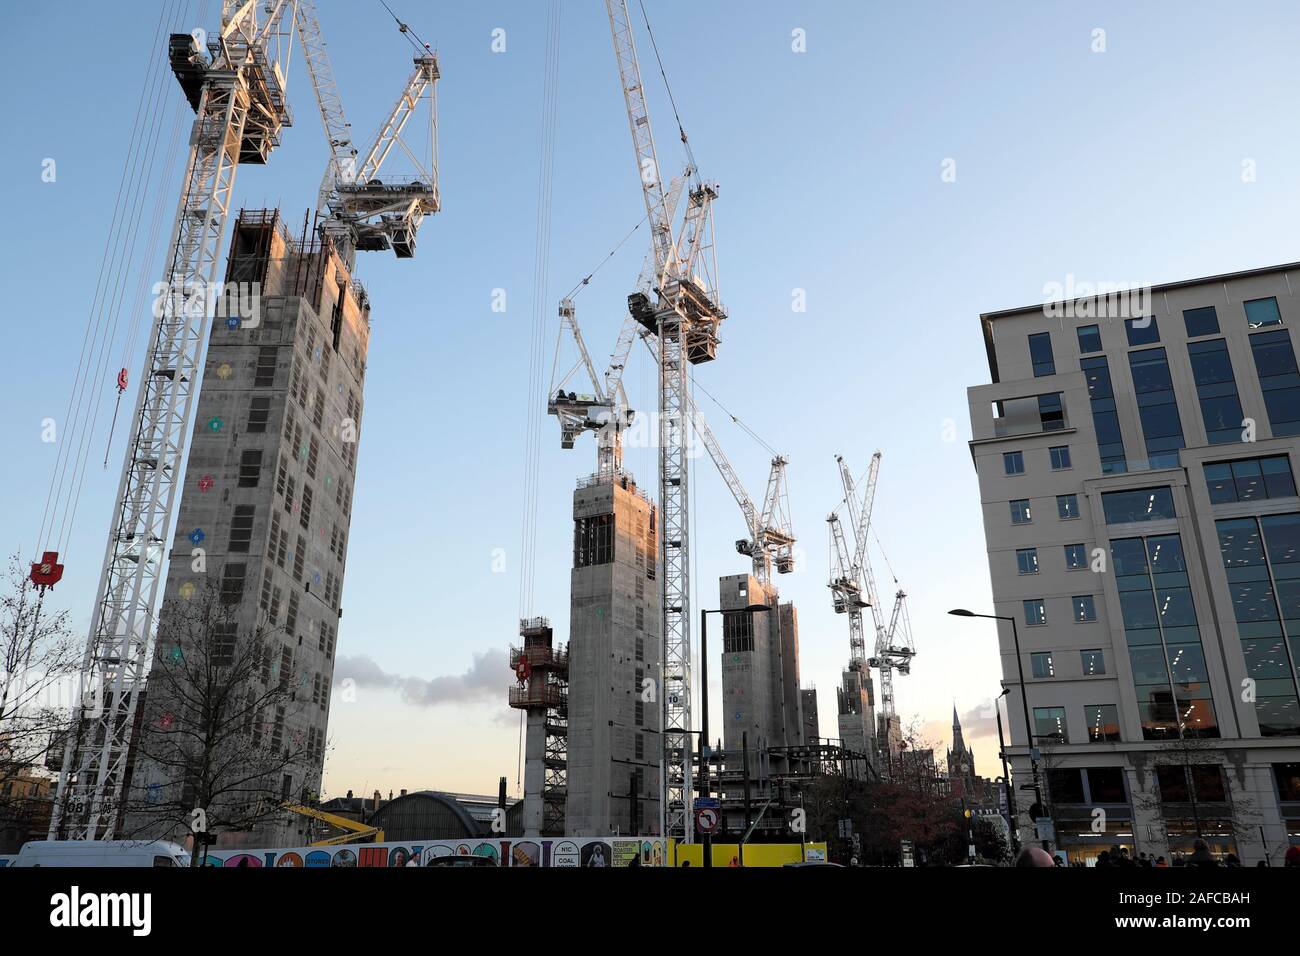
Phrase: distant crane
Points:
(853, 587)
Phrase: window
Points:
(1203, 321)
(1040, 354)
(1085, 608)
(1049, 724)
(1065, 786)
(232, 583)
(1040, 663)
(1067, 507)
(1216, 390)
(1020, 513)
(1093, 662)
(1287, 776)
(1250, 479)
(223, 643)
(1157, 406)
(259, 413)
(299, 557)
(1013, 462)
(1051, 412)
(1106, 784)
(593, 541)
(1060, 456)
(1279, 380)
(1089, 338)
(1163, 637)
(1105, 420)
(304, 515)
(1182, 784)
(1262, 559)
(1076, 557)
(1035, 612)
(1262, 312)
(241, 529)
(1027, 560)
(1102, 721)
(1142, 331)
(737, 631)
(250, 467)
(1140, 504)
(264, 377)
(1173, 784)
(313, 456)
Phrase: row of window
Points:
(1083, 610)
(1259, 313)
(1076, 559)
(1093, 661)
(1013, 462)
(1102, 721)
(1067, 509)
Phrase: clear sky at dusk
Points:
(1122, 165)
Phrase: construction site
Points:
(238, 483)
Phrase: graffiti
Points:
(558, 852)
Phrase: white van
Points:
(102, 853)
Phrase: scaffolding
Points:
(542, 692)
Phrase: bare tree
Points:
(221, 729)
(38, 664)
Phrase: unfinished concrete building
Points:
(857, 707)
(811, 727)
(615, 648)
(268, 493)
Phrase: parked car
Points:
(102, 853)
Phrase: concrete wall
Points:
(310, 440)
(615, 645)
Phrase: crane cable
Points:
(406, 30)
(690, 156)
(118, 255)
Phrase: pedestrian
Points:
(1161, 864)
(1292, 856)
(1201, 855)
(1103, 860)
(1033, 856)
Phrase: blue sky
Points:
(1117, 165)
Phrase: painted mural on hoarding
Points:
(528, 852)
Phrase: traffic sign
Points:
(707, 818)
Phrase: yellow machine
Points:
(354, 832)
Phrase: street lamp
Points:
(704, 714)
(1006, 774)
(1024, 695)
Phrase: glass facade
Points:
(1216, 389)
(1278, 379)
(1105, 420)
(1262, 559)
(1157, 407)
(1249, 479)
(1163, 637)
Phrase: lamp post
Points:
(1006, 774)
(704, 713)
(1024, 695)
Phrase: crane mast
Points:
(236, 88)
(684, 317)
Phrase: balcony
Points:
(543, 695)
(541, 657)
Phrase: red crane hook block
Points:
(47, 572)
(523, 669)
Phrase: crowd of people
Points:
(1122, 859)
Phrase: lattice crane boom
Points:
(237, 90)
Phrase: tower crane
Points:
(853, 586)
(684, 316)
(362, 211)
(236, 87)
